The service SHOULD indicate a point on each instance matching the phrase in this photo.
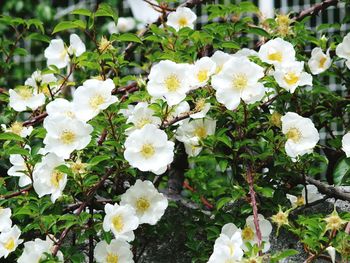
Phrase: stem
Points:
(250, 179)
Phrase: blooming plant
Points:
(221, 139)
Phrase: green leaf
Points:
(284, 254)
(126, 37)
(82, 12)
(65, 25)
(230, 44)
(222, 201)
(106, 10)
(258, 31)
(39, 37)
(8, 136)
(97, 159)
(341, 171)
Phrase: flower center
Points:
(232, 249)
(199, 105)
(67, 137)
(10, 244)
(142, 204)
(200, 132)
(240, 81)
(117, 223)
(275, 56)
(183, 21)
(294, 134)
(281, 218)
(147, 150)
(104, 44)
(16, 128)
(172, 83)
(63, 54)
(142, 122)
(202, 75)
(248, 233)
(56, 177)
(96, 101)
(111, 258)
(322, 62)
(70, 114)
(218, 69)
(25, 93)
(291, 78)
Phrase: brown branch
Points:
(329, 190)
(8, 196)
(166, 124)
(315, 9)
(90, 194)
(37, 119)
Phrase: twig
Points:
(315, 9)
(28, 188)
(35, 120)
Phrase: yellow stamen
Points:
(291, 78)
(240, 81)
(117, 223)
(56, 177)
(111, 258)
(183, 21)
(172, 82)
(294, 134)
(322, 62)
(142, 122)
(200, 132)
(25, 93)
(276, 56)
(142, 205)
(16, 128)
(96, 101)
(67, 137)
(10, 244)
(202, 75)
(248, 233)
(147, 150)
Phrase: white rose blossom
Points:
(148, 149)
(117, 251)
(170, 81)
(47, 180)
(182, 17)
(148, 203)
(5, 219)
(141, 116)
(220, 58)
(9, 241)
(18, 128)
(343, 50)
(319, 61)
(60, 108)
(41, 81)
(202, 70)
(63, 139)
(301, 134)
(346, 144)
(95, 95)
(19, 169)
(238, 80)
(121, 220)
(192, 132)
(125, 24)
(277, 52)
(34, 251)
(24, 97)
(57, 53)
(291, 75)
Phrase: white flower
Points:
(346, 144)
(5, 219)
(301, 134)
(24, 97)
(227, 247)
(182, 17)
(343, 49)
(169, 80)
(125, 24)
(319, 61)
(148, 203)
(249, 233)
(127, 112)
(117, 251)
(201, 109)
(192, 132)
(291, 75)
(19, 169)
(9, 241)
(201, 71)
(277, 52)
(57, 53)
(121, 220)
(312, 195)
(331, 251)
(148, 149)
(178, 110)
(47, 180)
(143, 11)
(18, 128)
(141, 116)
(41, 81)
(238, 80)
(34, 251)
(60, 108)
(220, 58)
(63, 139)
(94, 96)
(245, 52)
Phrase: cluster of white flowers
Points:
(9, 235)
(140, 204)
(231, 244)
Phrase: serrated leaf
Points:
(222, 201)
(8, 136)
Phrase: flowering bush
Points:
(95, 156)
